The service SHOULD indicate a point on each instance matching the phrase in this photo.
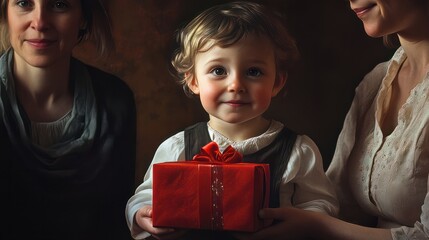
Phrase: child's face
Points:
(236, 83)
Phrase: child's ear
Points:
(192, 83)
(279, 84)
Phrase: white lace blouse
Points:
(385, 176)
(305, 170)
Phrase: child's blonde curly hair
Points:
(223, 25)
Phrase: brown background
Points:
(335, 51)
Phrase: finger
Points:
(146, 223)
(273, 213)
(145, 211)
(156, 230)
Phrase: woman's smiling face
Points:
(383, 17)
(43, 32)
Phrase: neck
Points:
(417, 62)
(415, 41)
(44, 92)
(41, 84)
(240, 131)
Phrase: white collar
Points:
(250, 145)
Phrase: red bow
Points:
(211, 153)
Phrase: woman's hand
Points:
(143, 218)
(289, 223)
(293, 223)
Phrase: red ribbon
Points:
(211, 183)
(211, 153)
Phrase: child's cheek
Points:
(209, 98)
(263, 99)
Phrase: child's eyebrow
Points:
(217, 60)
(259, 61)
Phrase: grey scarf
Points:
(78, 133)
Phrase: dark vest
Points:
(275, 154)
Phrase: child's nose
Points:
(236, 84)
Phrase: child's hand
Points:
(143, 219)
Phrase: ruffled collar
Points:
(250, 145)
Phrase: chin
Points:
(373, 33)
(41, 62)
(374, 30)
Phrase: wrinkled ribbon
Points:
(211, 205)
(211, 153)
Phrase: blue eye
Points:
(254, 72)
(218, 71)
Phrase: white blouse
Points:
(46, 134)
(304, 184)
(385, 176)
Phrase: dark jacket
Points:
(78, 196)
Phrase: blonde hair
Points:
(97, 29)
(224, 25)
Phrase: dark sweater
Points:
(79, 196)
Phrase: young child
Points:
(235, 57)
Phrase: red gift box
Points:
(212, 191)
